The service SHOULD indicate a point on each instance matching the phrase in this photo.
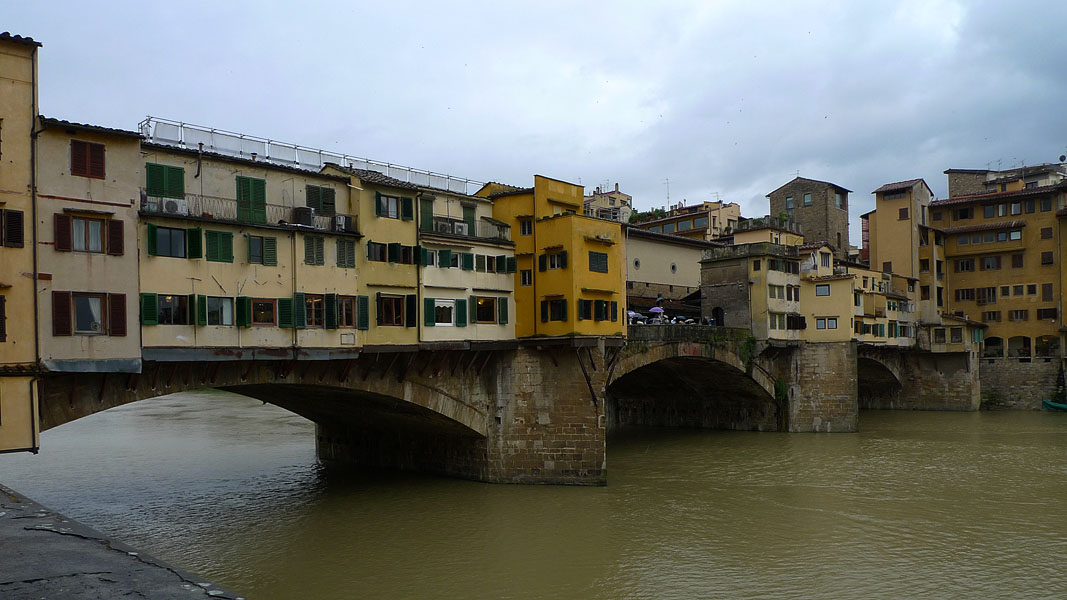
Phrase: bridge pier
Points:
(820, 379)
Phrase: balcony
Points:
(198, 206)
(483, 230)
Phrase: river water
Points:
(916, 505)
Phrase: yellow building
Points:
(468, 269)
(705, 221)
(18, 306)
(663, 270)
(87, 289)
(772, 230)
(612, 205)
(570, 268)
(238, 253)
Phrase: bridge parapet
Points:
(686, 333)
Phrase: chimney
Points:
(616, 186)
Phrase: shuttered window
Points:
(3, 318)
(86, 159)
(62, 232)
(502, 310)
(219, 246)
(251, 200)
(322, 199)
(314, 250)
(164, 180)
(598, 262)
(346, 253)
(116, 314)
(13, 232)
(116, 244)
(362, 312)
(61, 314)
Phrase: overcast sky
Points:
(724, 99)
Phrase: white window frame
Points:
(822, 286)
(222, 312)
(444, 303)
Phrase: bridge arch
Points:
(691, 384)
(878, 381)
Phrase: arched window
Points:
(1019, 346)
(1047, 346)
(718, 316)
(994, 348)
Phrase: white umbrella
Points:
(632, 314)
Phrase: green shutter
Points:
(512, 264)
(313, 195)
(329, 201)
(201, 310)
(153, 238)
(473, 306)
(423, 255)
(411, 310)
(285, 312)
(502, 310)
(444, 258)
(394, 251)
(194, 247)
(259, 201)
(563, 259)
(155, 179)
(542, 262)
(299, 311)
(502, 264)
(243, 317)
(467, 261)
(244, 199)
(614, 310)
(320, 250)
(468, 218)
(174, 182)
(378, 308)
(377, 204)
(407, 209)
(149, 309)
(362, 312)
(342, 254)
(461, 313)
(426, 214)
(226, 246)
(329, 312)
(211, 243)
(309, 250)
(544, 311)
(270, 251)
(429, 311)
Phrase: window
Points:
(700, 223)
(924, 292)
(555, 260)
(936, 215)
(668, 228)
(924, 265)
(169, 241)
(962, 214)
(839, 200)
(263, 310)
(1017, 290)
(387, 206)
(526, 277)
(255, 249)
(479, 263)
(1016, 208)
(902, 213)
(219, 311)
(1046, 313)
(89, 317)
(314, 250)
(962, 265)
(991, 316)
(777, 321)
(964, 294)
(755, 265)
(989, 211)
(825, 258)
(346, 253)
(444, 312)
(598, 262)
(485, 310)
(391, 310)
(1046, 233)
(776, 291)
(1031, 289)
(807, 199)
(939, 336)
(789, 204)
(164, 181)
(553, 310)
(86, 159)
(1046, 258)
(1046, 292)
(173, 310)
(346, 311)
(251, 200)
(887, 267)
(986, 295)
(1030, 206)
(88, 234)
(1005, 290)
(219, 246)
(1018, 315)
(963, 240)
(820, 323)
(322, 199)
(1046, 204)
(822, 289)
(314, 310)
(376, 251)
(990, 263)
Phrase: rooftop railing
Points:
(458, 228)
(188, 136)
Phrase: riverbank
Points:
(47, 555)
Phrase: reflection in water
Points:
(930, 505)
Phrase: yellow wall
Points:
(774, 236)
(657, 257)
(18, 67)
(837, 305)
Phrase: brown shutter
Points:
(13, 230)
(96, 160)
(115, 242)
(79, 158)
(63, 235)
(3, 318)
(61, 318)
(116, 314)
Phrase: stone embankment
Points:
(47, 555)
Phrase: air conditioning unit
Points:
(174, 206)
(442, 227)
(344, 224)
(304, 215)
(459, 228)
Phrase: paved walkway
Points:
(46, 555)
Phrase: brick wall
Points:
(822, 390)
(1011, 383)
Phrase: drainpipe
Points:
(419, 323)
(33, 240)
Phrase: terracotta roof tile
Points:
(50, 122)
(1038, 191)
(985, 227)
(899, 185)
(18, 39)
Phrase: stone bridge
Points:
(532, 411)
(910, 379)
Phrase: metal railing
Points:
(225, 209)
(453, 227)
(186, 135)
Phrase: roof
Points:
(18, 39)
(374, 177)
(1037, 191)
(899, 185)
(237, 159)
(639, 232)
(47, 122)
(953, 317)
(512, 192)
(834, 277)
(814, 245)
(976, 171)
(798, 178)
(985, 227)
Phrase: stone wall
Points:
(908, 380)
(820, 222)
(1013, 384)
(964, 183)
(822, 388)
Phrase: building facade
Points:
(706, 221)
(612, 205)
(819, 207)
